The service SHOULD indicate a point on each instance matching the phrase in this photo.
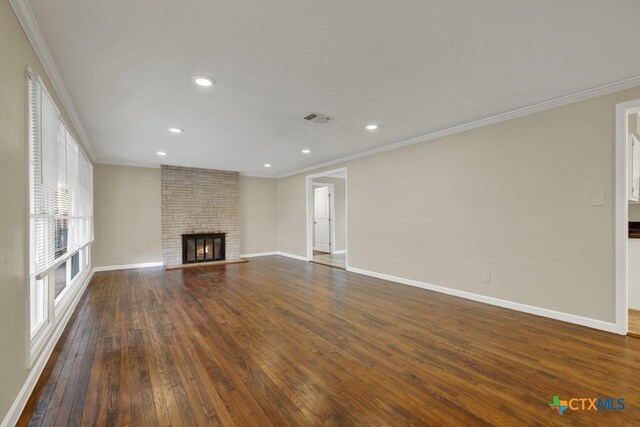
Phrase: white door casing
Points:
(322, 219)
(622, 194)
(634, 169)
(310, 184)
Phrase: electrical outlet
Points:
(114, 255)
(486, 278)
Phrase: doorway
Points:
(627, 218)
(632, 144)
(327, 218)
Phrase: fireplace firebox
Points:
(202, 247)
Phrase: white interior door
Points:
(322, 219)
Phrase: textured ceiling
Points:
(414, 67)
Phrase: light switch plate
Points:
(597, 199)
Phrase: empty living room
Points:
(295, 213)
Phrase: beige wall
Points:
(128, 219)
(258, 215)
(511, 199)
(292, 215)
(128, 227)
(292, 212)
(340, 200)
(16, 54)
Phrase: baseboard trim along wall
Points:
(128, 266)
(538, 311)
(258, 254)
(298, 257)
(38, 366)
(344, 251)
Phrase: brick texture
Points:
(199, 201)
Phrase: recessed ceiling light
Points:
(372, 127)
(161, 153)
(175, 130)
(306, 151)
(203, 81)
(267, 165)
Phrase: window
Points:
(60, 207)
(60, 277)
(39, 302)
(75, 265)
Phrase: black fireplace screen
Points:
(202, 247)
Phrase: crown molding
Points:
(128, 164)
(497, 118)
(157, 166)
(255, 175)
(32, 30)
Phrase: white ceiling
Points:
(414, 66)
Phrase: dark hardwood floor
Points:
(282, 342)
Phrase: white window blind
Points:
(61, 185)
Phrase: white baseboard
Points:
(128, 266)
(38, 365)
(344, 251)
(258, 254)
(538, 311)
(298, 257)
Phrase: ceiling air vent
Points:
(317, 118)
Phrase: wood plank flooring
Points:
(332, 260)
(281, 342)
(634, 323)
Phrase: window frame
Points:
(54, 309)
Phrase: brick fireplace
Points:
(199, 201)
